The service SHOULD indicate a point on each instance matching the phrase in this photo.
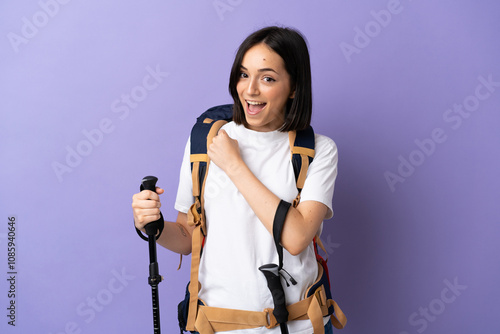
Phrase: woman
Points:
(250, 173)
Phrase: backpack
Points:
(193, 314)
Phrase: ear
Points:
(292, 95)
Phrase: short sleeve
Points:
(185, 198)
(322, 173)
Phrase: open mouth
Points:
(255, 107)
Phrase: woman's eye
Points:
(269, 79)
(243, 75)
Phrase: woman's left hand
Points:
(225, 152)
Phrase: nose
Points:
(252, 87)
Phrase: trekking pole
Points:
(271, 272)
(153, 230)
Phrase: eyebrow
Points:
(266, 69)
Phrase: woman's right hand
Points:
(146, 207)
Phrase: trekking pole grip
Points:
(271, 272)
(149, 183)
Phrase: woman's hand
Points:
(176, 236)
(302, 223)
(146, 207)
(225, 153)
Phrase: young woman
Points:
(250, 173)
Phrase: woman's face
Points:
(263, 88)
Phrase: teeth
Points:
(254, 103)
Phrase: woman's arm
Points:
(302, 222)
(176, 236)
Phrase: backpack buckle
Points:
(321, 296)
(271, 319)
(296, 201)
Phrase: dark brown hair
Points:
(291, 46)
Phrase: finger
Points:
(159, 190)
(212, 151)
(146, 194)
(222, 136)
(141, 213)
(146, 204)
(141, 221)
(214, 140)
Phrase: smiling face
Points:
(263, 88)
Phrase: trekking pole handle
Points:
(271, 272)
(149, 183)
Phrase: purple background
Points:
(394, 248)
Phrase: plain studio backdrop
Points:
(97, 94)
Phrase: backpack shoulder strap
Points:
(204, 130)
(202, 134)
(302, 149)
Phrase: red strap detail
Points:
(321, 261)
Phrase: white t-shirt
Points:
(237, 243)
